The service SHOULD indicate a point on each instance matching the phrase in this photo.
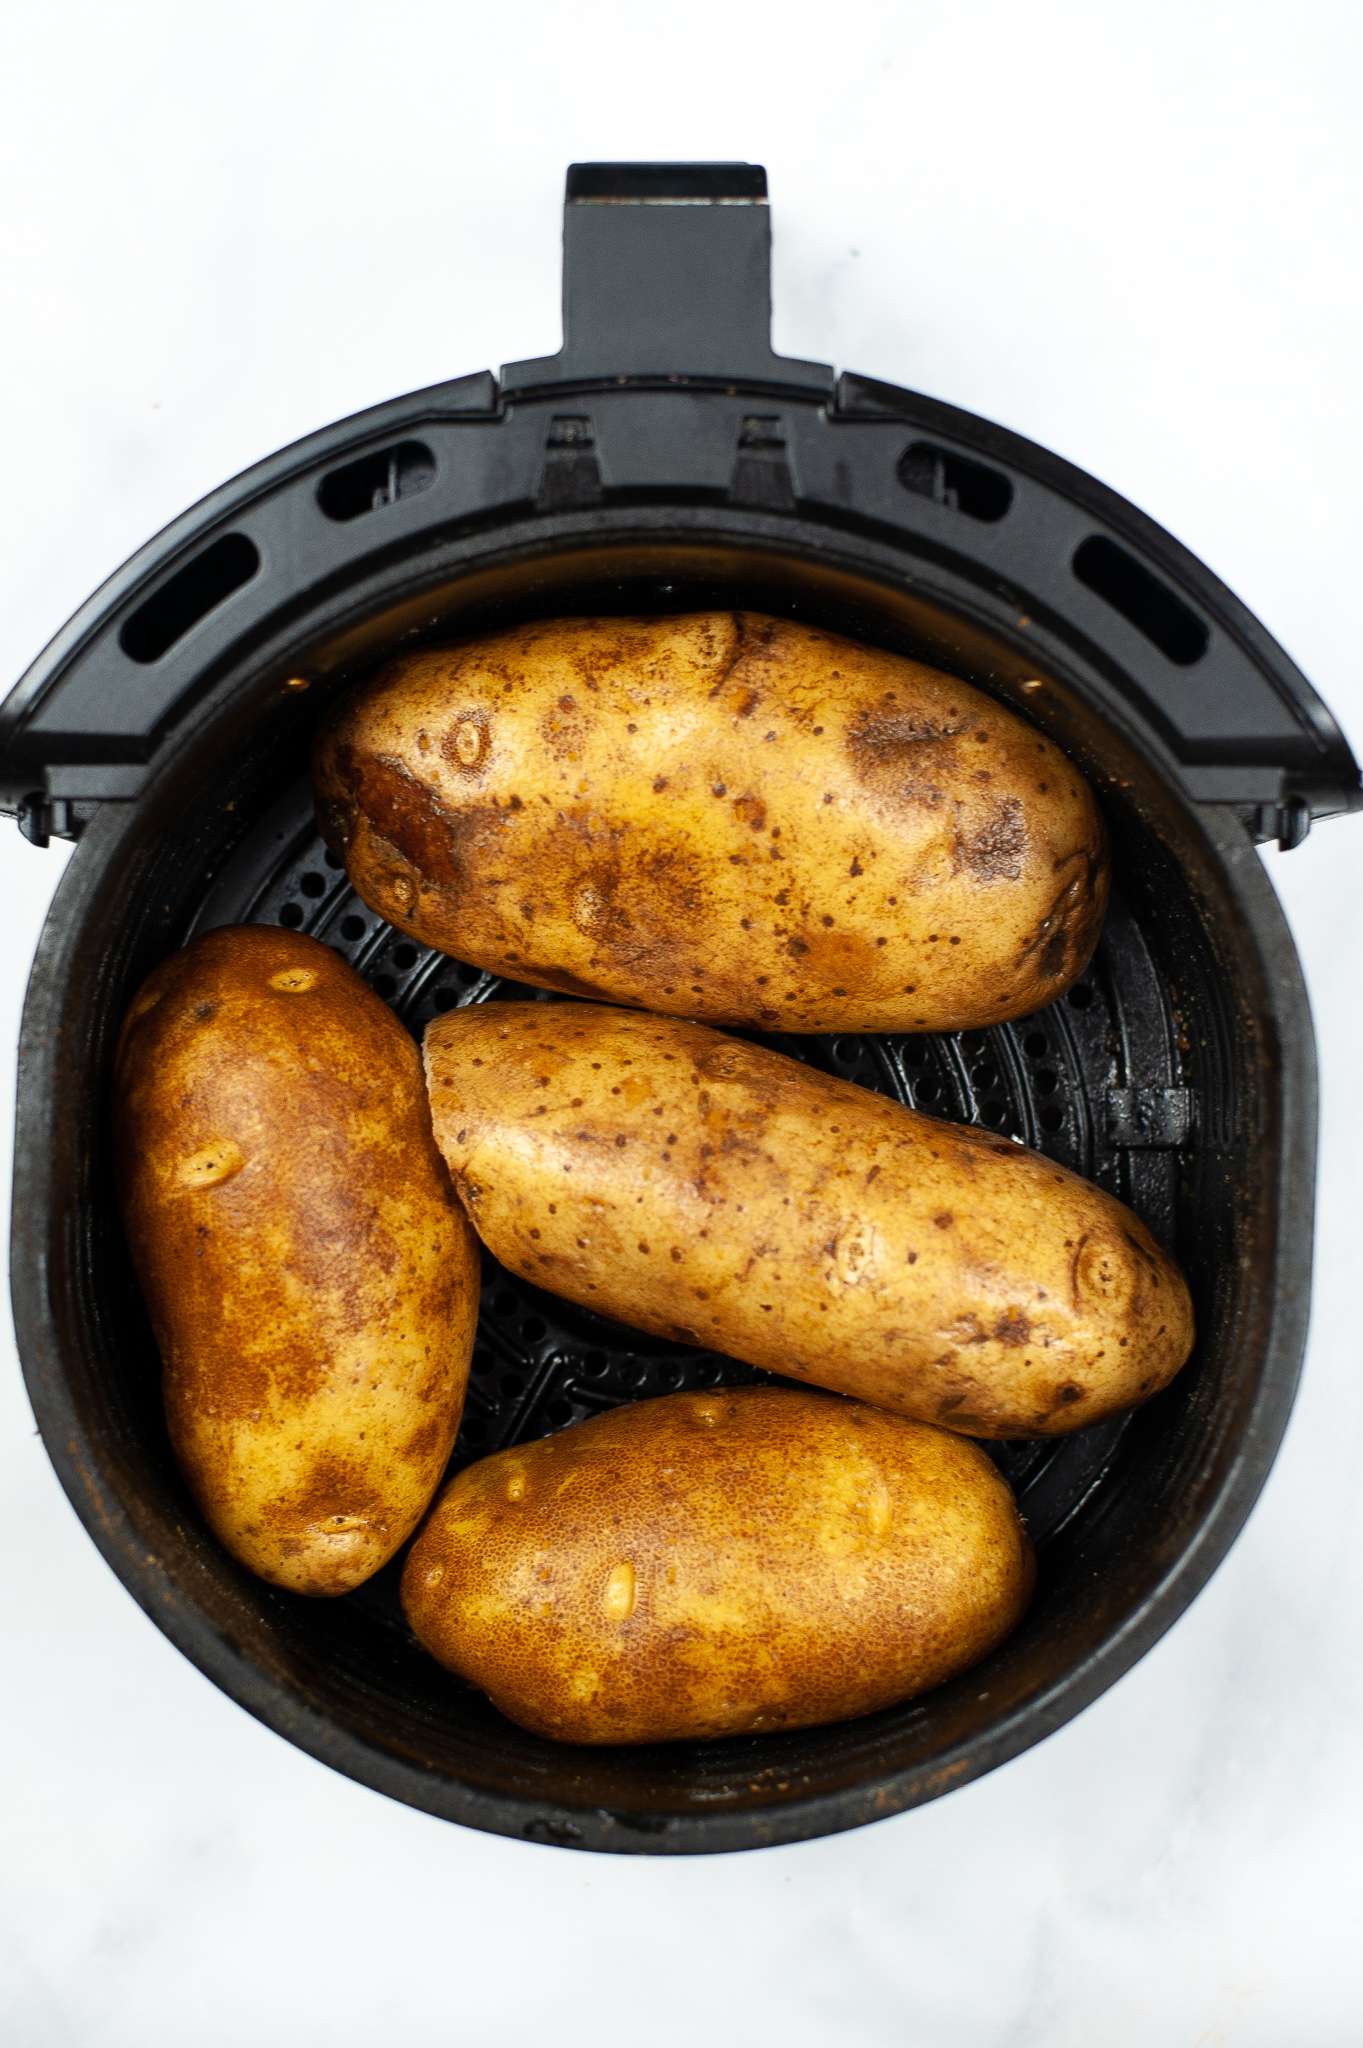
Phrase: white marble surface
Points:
(1133, 236)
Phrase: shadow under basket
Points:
(168, 730)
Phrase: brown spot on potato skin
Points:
(757, 1557)
(596, 908)
(994, 850)
(886, 742)
(563, 728)
(1068, 929)
(957, 1263)
(865, 771)
(403, 812)
(729, 1059)
(953, 1414)
(1013, 1328)
(1144, 1246)
(426, 1445)
(314, 1306)
(751, 810)
(332, 1495)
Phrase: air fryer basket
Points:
(667, 460)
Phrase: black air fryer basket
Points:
(666, 459)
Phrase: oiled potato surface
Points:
(312, 1283)
(725, 1195)
(711, 1564)
(722, 815)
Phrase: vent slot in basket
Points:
(955, 482)
(1141, 599)
(190, 595)
(377, 480)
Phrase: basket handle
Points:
(666, 279)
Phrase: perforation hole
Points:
(404, 958)
(353, 928)
(291, 916)
(313, 884)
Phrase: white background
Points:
(1131, 233)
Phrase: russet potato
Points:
(711, 1564)
(727, 1196)
(722, 816)
(312, 1283)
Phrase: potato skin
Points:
(312, 1283)
(722, 816)
(717, 1564)
(725, 1195)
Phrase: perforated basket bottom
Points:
(1048, 1080)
